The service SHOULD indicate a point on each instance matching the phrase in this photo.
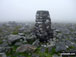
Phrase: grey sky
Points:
(25, 10)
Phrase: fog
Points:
(25, 10)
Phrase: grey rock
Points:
(14, 38)
(60, 46)
(68, 43)
(5, 49)
(3, 55)
(4, 44)
(2, 49)
(36, 43)
(21, 34)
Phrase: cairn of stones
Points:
(43, 29)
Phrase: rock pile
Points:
(43, 29)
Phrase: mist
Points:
(25, 10)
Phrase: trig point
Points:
(43, 29)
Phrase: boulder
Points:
(12, 39)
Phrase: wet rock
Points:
(21, 34)
(36, 43)
(12, 39)
(31, 38)
(26, 48)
